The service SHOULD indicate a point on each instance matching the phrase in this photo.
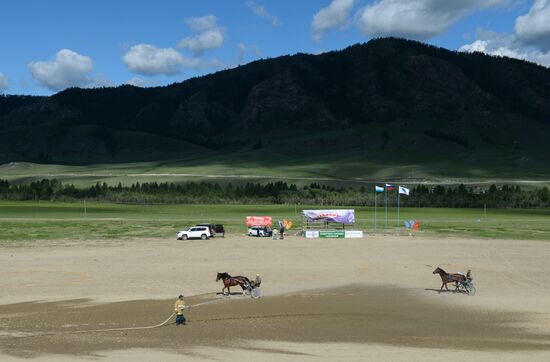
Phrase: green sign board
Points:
(340, 234)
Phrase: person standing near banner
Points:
(281, 230)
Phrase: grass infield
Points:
(27, 222)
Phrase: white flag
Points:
(404, 190)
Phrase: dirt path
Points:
(322, 300)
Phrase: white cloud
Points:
(4, 84)
(198, 44)
(506, 45)
(202, 23)
(147, 59)
(533, 28)
(416, 19)
(209, 34)
(332, 17)
(261, 11)
(69, 69)
(529, 41)
(477, 46)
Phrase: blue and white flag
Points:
(378, 189)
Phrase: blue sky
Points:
(47, 46)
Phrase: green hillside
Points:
(390, 108)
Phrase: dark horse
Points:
(229, 281)
(449, 278)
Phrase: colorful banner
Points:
(338, 216)
(259, 221)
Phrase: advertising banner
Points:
(354, 234)
(333, 234)
(258, 221)
(338, 216)
(312, 234)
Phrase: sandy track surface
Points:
(322, 300)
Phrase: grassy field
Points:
(22, 223)
(354, 168)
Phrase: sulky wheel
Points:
(470, 289)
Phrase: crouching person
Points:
(179, 306)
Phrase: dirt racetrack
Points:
(371, 298)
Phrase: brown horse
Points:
(229, 281)
(449, 278)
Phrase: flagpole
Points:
(398, 193)
(386, 197)
(375, 192)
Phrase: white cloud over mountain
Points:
(147, 59)
(529, 41)
(68, 69)
(334, 16)
(416, 19)
(533, 28)
(506, 46)
(209, 35)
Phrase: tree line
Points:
(279, 192)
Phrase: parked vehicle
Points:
(219, 229)
(260, 231)
(210, 228)
(214, 229)
(195, 232)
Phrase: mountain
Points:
(390, 99)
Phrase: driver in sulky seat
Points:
(256, 292)
(252, 288)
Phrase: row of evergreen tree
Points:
(279, 192)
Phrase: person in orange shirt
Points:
(179, 306)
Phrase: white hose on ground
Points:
(124, 328)
(115, 329)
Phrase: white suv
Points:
(260, 231)
(199, 232)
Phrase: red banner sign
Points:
(259, 221)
